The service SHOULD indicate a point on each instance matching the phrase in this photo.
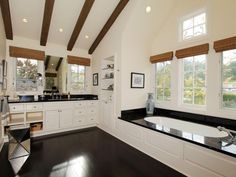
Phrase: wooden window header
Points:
(26, 53)
(225, 44)
(78, 60)
(192, 51)
(161, 57)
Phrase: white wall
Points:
(220, 24)
(50, 49)
(136, 44)
(2, 39)
(2, 56)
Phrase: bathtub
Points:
(184, 126)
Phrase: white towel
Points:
(5, 110)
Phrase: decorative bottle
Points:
(150, 104)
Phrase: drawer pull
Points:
(14, 108)
(34, 106)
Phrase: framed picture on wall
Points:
(95, 79)
(137, 80)
(4, 64)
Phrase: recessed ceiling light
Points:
(52, 64)
(60, 29)
(86, 36)
(148, 9)
(25, 20)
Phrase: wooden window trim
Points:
(162, 57)
(225, 44)
(19, 52)
(192, 51)
(78, 60)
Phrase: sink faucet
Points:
(227, 131)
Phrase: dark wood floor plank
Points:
(89, 153)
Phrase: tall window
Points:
(194, 26)
(229, 79)
(163, 81)
(194, 80)
(77, 77)
(26, 72)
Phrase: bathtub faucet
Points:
(233, 138)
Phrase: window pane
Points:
(188, 79)
(167, 94)
(188, 33)
(26, 72)
(200, 62)
(77, 77)
(229, 79)
(199, 30)
(229, 99)
(163, 81)
(199, 96)
(199, 79)
(188, 24)
(188, 64)
(160, 93)
(188, 95)
(200, 19)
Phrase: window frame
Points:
(190, 16)
(70, 80)
(163, 100)
(15, 77)
(182, 72)
(221, 84)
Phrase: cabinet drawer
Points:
(16, 108)
(80, 104)
(34, 107)
(79, 112)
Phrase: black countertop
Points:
(30, 98)
(217, 144)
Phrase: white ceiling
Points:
(65, 15)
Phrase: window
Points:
(194, 26)
(229, 79)
(26, 72)
(77, 77)
(163, 81)
(194, 80)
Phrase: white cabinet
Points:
(85, 112)
(52, 119)
(66, 116)
(58, 115)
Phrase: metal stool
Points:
(19, 146)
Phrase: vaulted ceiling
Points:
(83, 23)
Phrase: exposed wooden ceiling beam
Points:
(59, 63)
(48, 8)
(80, 23)
(6, 16)
(108, 24)
(47, 62)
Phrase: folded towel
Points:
(5, 110)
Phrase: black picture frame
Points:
(95, 79)
(137, 80)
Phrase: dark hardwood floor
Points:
(89, 153)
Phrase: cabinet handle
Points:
(34, 106)
(13, 108)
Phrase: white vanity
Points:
(52, 117)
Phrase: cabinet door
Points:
(66, 117)
(52, 119)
